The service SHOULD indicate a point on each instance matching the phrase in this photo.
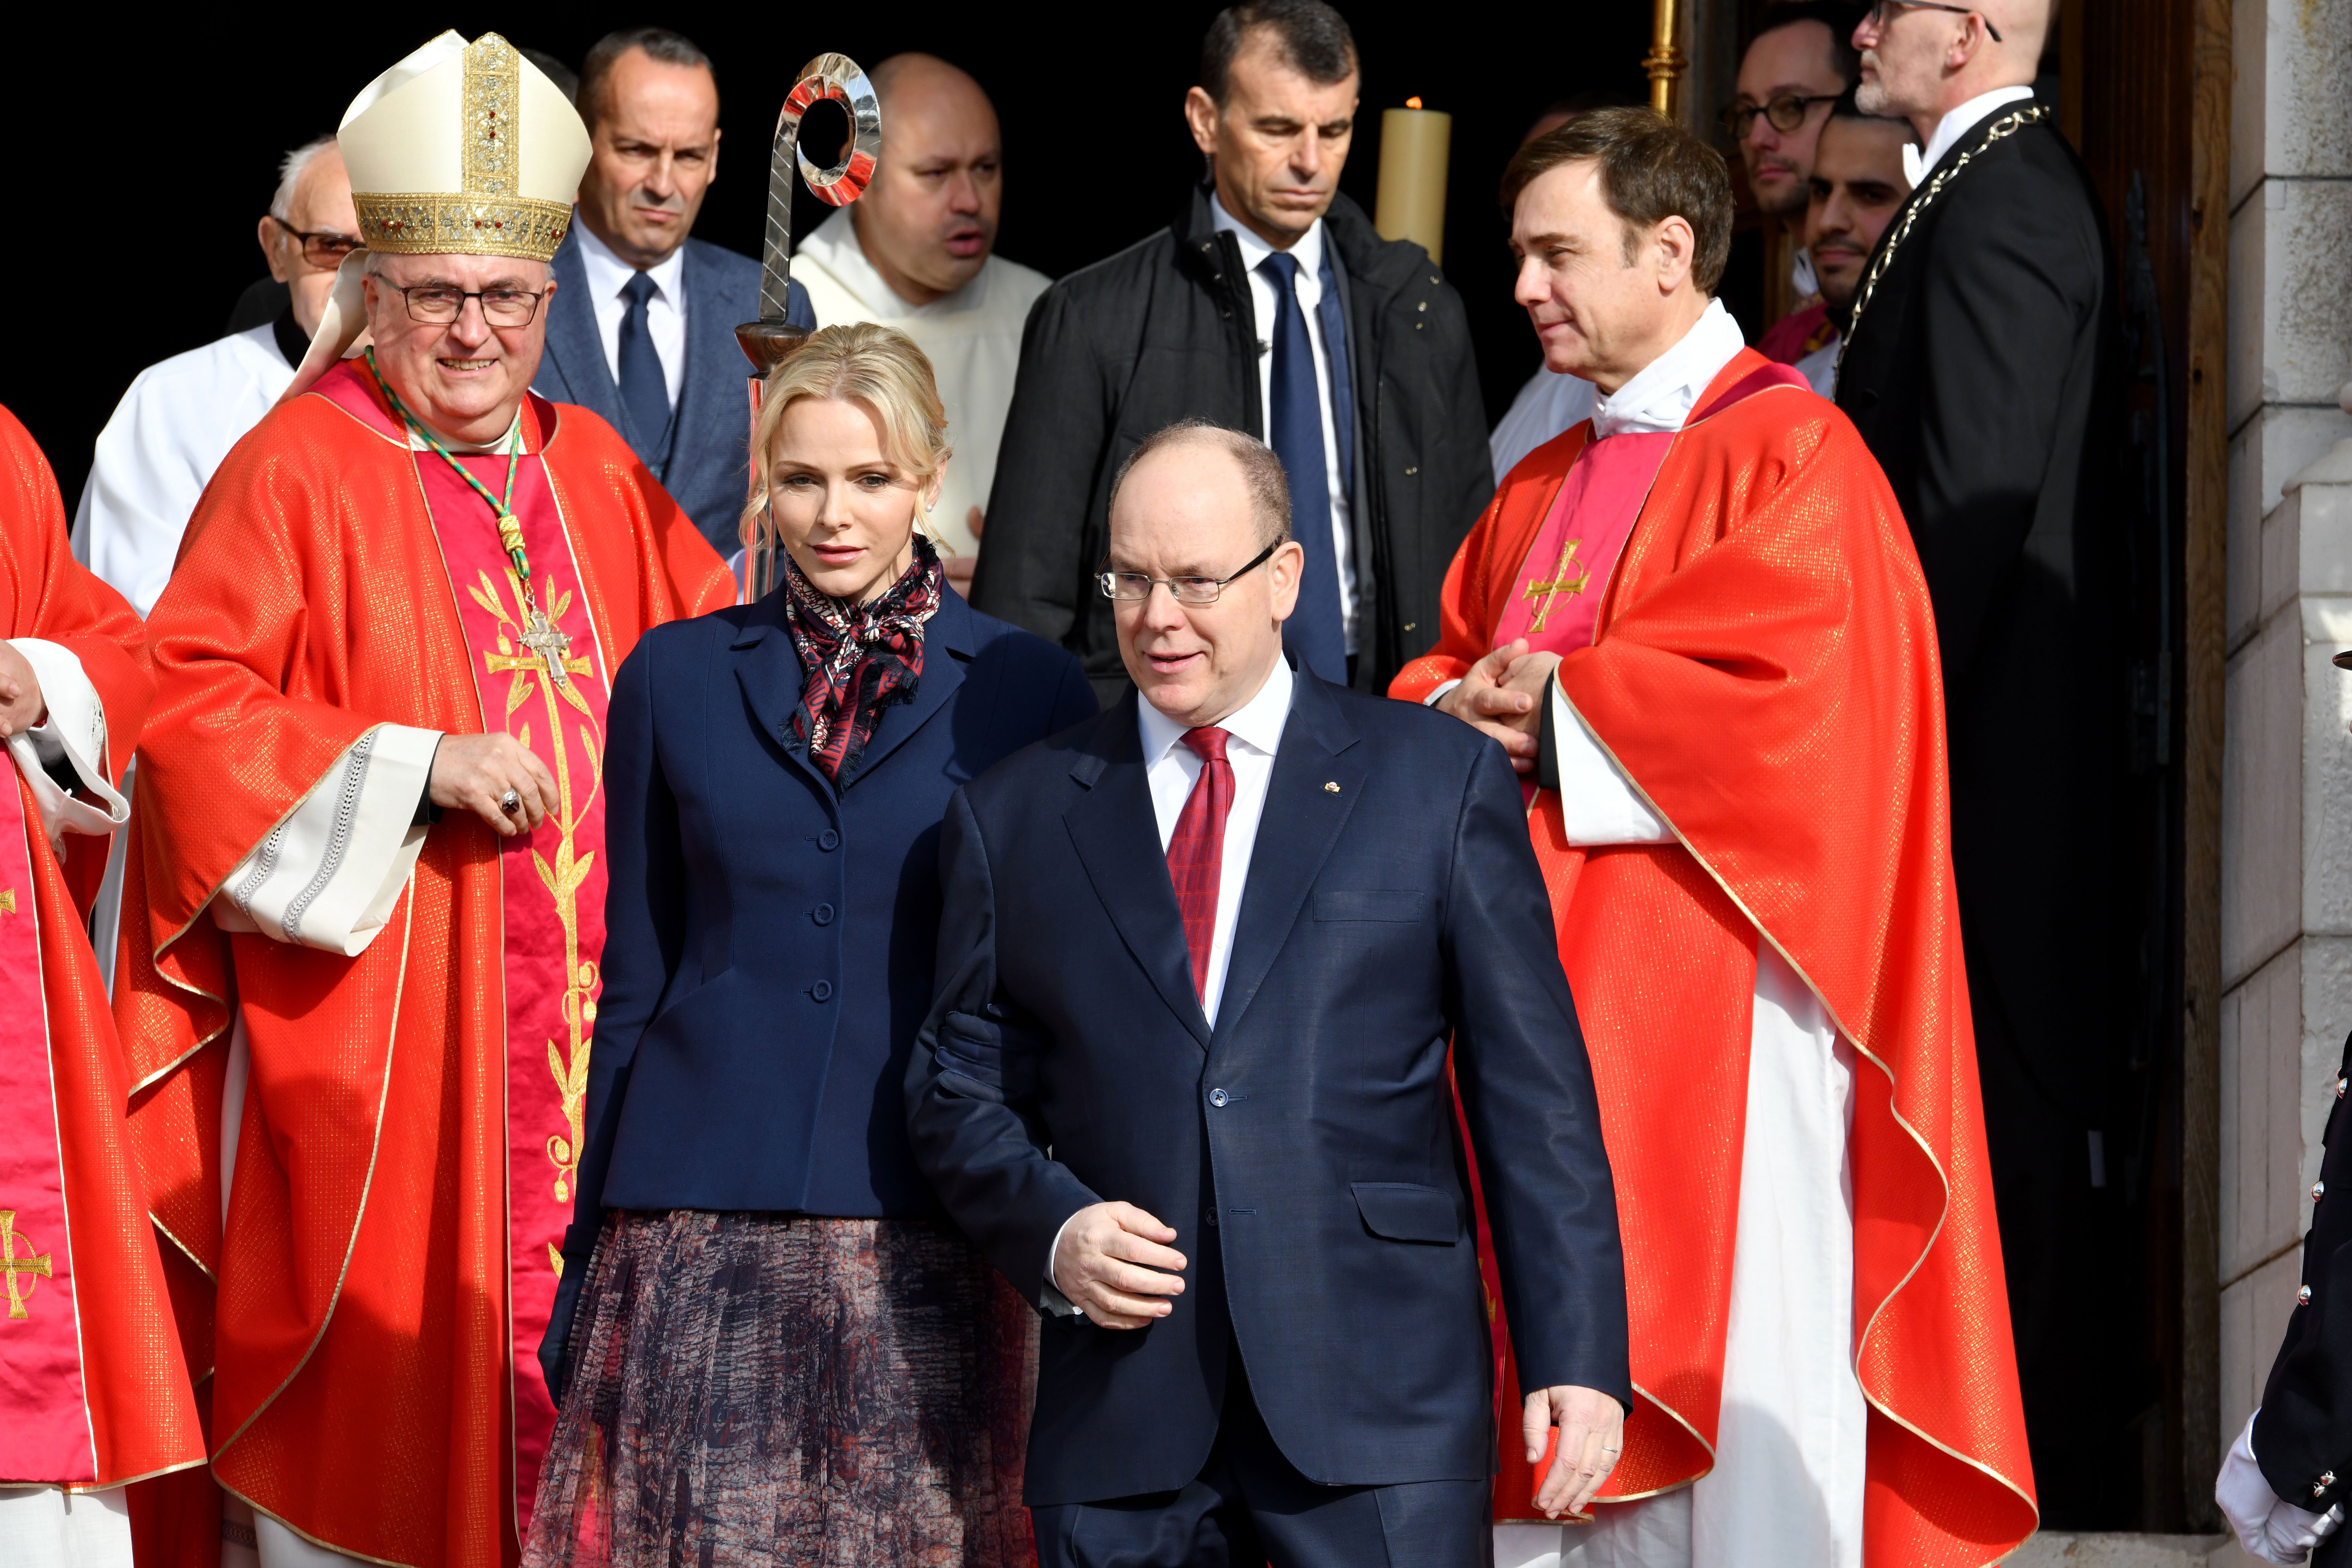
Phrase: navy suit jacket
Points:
(769, 938)
(703, 458)
(1304, 1149)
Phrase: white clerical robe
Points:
(973, 338)
(159, 450)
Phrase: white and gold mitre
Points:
(464, 147)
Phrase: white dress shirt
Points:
(1955, 123)
(1254, 732)
(1551, 403)
(665, 312)
(1308, 252)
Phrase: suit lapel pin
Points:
(1332, 788)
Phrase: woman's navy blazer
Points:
(769, 938)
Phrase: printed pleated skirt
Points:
(759, 1388)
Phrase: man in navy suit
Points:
(642, 328)
(1184, 1080)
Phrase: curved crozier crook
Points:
(841, 78)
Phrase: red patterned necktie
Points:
(1196, 850)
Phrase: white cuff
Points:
(1598, 803)
(329, 873)
(75, 733)
(1056, 1304)
(1438, 695)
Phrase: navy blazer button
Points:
(822, 990)
(1217, 1097)
(822, 914)
(1210, 1219)
(828, 840)
(2303, 1297)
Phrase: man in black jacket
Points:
(1269, 306)
(1979, 367)
(2284, 1480)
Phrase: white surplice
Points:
(157, 453)
(46, 1527)
(1786, 1490)
(973, 338)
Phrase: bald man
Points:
(918, 253)
(1980, 368)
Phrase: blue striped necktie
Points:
(1317, 630)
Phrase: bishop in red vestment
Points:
(93, 1392)
(370, 856)
(1699, 624)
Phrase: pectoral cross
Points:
(11, 1266)
(550, 647)
(1561, 585)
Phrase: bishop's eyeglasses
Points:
(437, 304)
(1131, 586)
(1876, 14)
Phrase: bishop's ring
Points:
(510, 803)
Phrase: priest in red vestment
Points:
(91, 1381)
(1697, 622)
(371, 855)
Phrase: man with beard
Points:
(1858, 184)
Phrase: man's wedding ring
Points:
(510, 803)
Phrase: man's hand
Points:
(960, 568)
(1591, 1433)
(1109, 1261)
(1499, 697)
(476, 771)
(21, 704)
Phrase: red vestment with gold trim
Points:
(95, 1391)
(1765, 673)
(403, 1164)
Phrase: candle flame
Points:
(1412, 103)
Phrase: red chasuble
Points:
(1764, 671)
(91, 1373)
(409, 1136)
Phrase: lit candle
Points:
(1411, 202)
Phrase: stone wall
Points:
(2286, 797)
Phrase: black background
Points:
(176, 154)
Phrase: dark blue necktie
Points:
(645, 393)
(1316, 632)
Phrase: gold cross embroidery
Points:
(1561, 585)
(550, 647)
(29, 1268)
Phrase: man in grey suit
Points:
(642, 328)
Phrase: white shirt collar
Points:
(608, 274)
(1957, 123)
(1256, 723)
(1308, 250)
(1661, 393)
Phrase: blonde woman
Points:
(769, 1345)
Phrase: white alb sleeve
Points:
(1598, 803)
(75, 733)
(329, 873)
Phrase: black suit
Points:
(1164, 331)
(1304, 1148)
(1981, 370)
(2303, 1435)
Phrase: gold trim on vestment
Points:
(284, 1523)
(375, 1146)
(185, 1249)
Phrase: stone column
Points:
(2287, 793)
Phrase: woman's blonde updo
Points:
(861, 362)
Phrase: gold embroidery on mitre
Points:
(485, 217)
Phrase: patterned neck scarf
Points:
(860, 658)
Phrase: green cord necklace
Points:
(509, 531)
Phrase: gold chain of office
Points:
(2008, 125)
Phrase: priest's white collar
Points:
(608, 274)
(1957, 123)
(1661, 393)
(503, 442)
(1257, 722)
(1308, 249)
